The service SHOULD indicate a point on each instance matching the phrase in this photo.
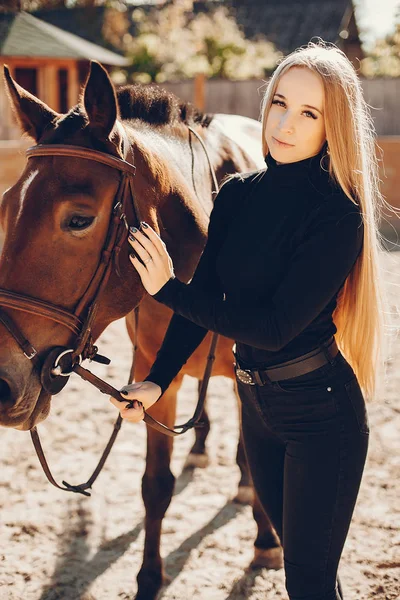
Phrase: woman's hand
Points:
(145, 392)
(157, 268)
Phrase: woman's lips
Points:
(283, 144)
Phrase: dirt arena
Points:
(59, 546)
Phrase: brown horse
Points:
(55, 220)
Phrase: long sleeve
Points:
(183, 335)
(317, 270)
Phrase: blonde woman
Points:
(293, 254)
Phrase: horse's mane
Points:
(157, 106)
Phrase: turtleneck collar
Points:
(306, 166)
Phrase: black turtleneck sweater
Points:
(281, 242)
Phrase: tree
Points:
(384, 58)
(172, 43)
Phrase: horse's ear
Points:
(100, 100)
(32, 114)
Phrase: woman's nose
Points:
(286, 123)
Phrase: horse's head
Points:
(56, 222)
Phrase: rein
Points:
(59, 363)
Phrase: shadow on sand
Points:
(74, 572)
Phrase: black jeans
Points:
(306, 441)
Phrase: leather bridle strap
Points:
(80, 152)
(40, 308)
(25, 345)
(213, 175)
(108, 389)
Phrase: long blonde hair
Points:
(362, 304)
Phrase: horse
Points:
(56, 220)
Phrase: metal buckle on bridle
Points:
(118, 211)
(31, 355)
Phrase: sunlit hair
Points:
(362, 305)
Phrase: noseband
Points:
(55, 369)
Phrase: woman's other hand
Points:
(144, 392)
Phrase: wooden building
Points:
(46, 60)
(290, 24)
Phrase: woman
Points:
(290, 271)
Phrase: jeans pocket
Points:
(357, 401)
(313, 381)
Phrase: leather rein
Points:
(60, 362)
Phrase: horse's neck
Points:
(183, 196)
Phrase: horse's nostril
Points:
(5, 394)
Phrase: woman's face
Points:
(295, 126)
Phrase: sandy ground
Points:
(55, 545)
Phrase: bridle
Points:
(60, 362)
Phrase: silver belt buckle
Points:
(245, 376)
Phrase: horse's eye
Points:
(79, 222)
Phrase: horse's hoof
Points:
(150, 582)
(193, 461)
(270, 558)
(245, 495)
(153, 592)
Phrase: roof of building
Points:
(84, 21)
(293, 23)
(22, 34)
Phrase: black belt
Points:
(292, 368)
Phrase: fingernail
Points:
(131, 238)
(144, 224)
(123, 392)
(133, 229)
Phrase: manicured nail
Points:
(133, 229)
(123, 392)
(144, 224)
(131, 238)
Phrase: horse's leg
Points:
(198, 456)
(157, 488)
(245, 494)
(267, 546)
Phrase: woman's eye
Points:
(307, 112)
(79, 222)
(279, 102)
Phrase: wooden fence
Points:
(244, 98)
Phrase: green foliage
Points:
(384, 58)
(174, 44)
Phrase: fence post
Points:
(199, 91)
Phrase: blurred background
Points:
(217, 54)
